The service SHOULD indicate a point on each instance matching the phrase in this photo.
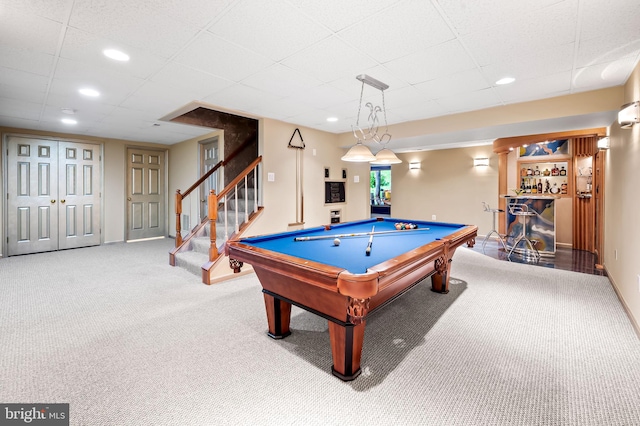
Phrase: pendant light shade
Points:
(359, 153)
(386, 156)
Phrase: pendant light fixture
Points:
(360, 152)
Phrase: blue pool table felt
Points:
(351, 253)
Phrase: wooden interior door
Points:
(79, 196)
(209, 157)
(145, 194)
(53, 193)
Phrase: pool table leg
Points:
(440, 279)
(278, 316)
(346, 349)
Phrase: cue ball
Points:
(336, 242)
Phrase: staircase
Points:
(234, 208)
(196, 254)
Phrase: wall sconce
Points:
(604, 143)
(415, 165)
(629, 115)
(480, 162)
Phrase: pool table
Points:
(343, 283)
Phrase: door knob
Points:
(128, 198)
(62, 201)
(53, 201)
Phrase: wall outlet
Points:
(433, 217)
(271, 177)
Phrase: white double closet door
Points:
(53, 195)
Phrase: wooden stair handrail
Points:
(180, 196)
(240, 176)
(213, 205)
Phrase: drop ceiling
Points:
(296, 60)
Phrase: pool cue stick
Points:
(368, 250)
(357, 234)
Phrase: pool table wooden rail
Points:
(343, 298)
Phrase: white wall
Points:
(622, 204)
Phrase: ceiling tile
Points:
(132, 23)
(437, 61)
(475, 16)
(465, 81)
(222, 58)
(181, 77)
(19, 109)
(281, 81)
(199, 13)
(27, 94)
(618, 18)
(329, 60)
(605, 49)
(539, 31)
(17, 32)
(278, 30)
(403, 29)
(55, 10)
(158, 98)
(603, 75)
(536, 88)
(26, 60)
(536, 64)
(81, 46)
(70, 76)
(340, 14)
(23, 80)
(470, 101)
(241, 98)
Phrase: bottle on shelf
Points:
(534, 187)
(529, 171)
(555, 171)
(563, 172)
(539, 186)
(547, 186)
(536, 172)
(563, 188)
(546, 172)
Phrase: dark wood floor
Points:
(565, 258)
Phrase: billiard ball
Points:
(336, 242)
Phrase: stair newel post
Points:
(178, 214)
(212, 208)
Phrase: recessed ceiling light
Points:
(116, 55)
(505, 80)
(332, 119)
(89, 92)
(69, 121)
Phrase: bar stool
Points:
(522, 213)
(493, 231)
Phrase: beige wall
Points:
(184, 170)
(562, 106)
(113, 193)
(622, 207)
(320, 151)
(447, 186)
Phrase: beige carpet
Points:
(126, 339)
